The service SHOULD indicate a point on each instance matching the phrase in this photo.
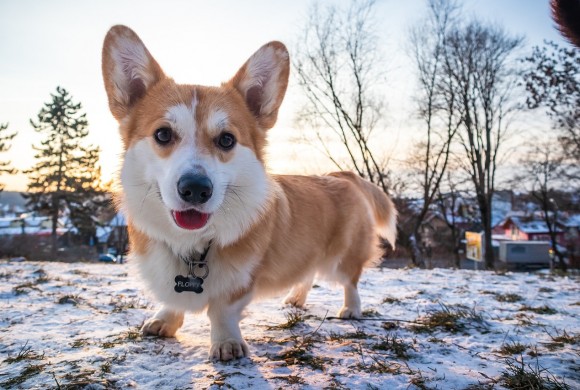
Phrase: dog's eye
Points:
(163, 136)
(226, 141)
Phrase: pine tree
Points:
(5, 138)
(66, 175)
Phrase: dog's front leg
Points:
(164, 323)
(226, 337)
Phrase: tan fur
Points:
(307, 225)
(383, 208)
(138, 241)
(315, 221)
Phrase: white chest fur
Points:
(159, 267)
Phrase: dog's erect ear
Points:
(262, 81)
(128, 70)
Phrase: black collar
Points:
(192, 259)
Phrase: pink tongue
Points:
(190, 219)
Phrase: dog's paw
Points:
(348, 312)
(228, 350)
(159, 327)
(296, 301)
(297, 296)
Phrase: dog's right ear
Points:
(129, 70)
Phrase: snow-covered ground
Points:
(71, 325)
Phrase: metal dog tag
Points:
(188, 283)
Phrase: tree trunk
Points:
(553, 236)
(489, 255)
(485, 208)
(54, 215)
(561, 263)
(457, 258)
(416, 255)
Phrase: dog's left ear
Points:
(262, 81)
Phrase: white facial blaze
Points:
(182, 119)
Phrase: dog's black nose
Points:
(196, 189)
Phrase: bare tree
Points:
(338, 67)
(542, 169)
(553, 82)
(479, 64)
(437, 109)
(5, 138)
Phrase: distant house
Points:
(573, 223)
(28, 224)
(518, 228)
(9, 223)
(113, 235)
(11, 203)
(435, 231)
(502, 206)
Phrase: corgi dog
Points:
(210, 228)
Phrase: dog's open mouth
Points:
(190, 219)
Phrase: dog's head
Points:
(194, 155)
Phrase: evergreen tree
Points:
(5, 138)
(66, 176)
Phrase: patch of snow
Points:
(77, 324)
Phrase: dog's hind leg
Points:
(298, 294)
(349, 275)
(352, 304)
(164, 323)
(362, 252)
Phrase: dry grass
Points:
(450, 319)
(69, 299)
(391, 300)
(545, 309)
(509, 297)
(28, 372)
(294, 317)
(25, 353)
(519, 375)
(513, 348)
(394, 344)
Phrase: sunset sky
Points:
(48, 43)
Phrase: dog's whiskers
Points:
(145, 197)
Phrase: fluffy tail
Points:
(566, 14)
(383, 208)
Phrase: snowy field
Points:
(72, 325)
